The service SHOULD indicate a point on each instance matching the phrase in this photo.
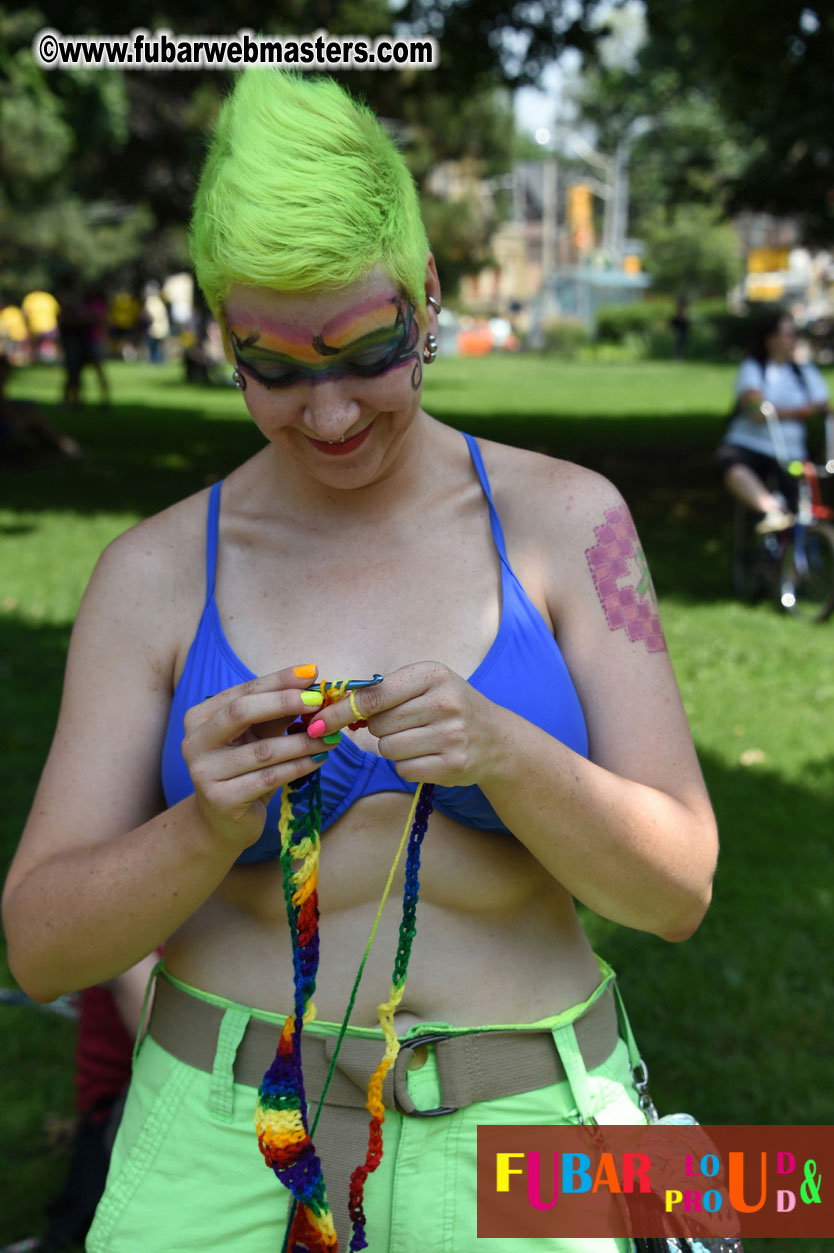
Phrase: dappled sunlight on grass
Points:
(736, 1022)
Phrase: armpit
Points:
(621, 577)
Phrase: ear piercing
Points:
(430, 349)
(239, 379)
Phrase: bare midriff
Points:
(497, 940)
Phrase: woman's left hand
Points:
(430, 721)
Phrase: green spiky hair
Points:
(302, 187)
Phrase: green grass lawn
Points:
(736, 1023)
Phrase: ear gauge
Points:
(430, 349)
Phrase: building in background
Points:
(562, 252)
(780, 270)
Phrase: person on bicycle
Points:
(747, 456)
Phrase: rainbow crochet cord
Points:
(281, 1112)
(281, 1116)
(408, 930)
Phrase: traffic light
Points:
(580, 215)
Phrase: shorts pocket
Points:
(159, 1087)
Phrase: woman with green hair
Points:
(526, 729)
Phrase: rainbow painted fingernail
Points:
(335, 737)
(304, 672)
(317, 728)
(312, 699)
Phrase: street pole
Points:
(609, 216)
(549, 224)
(518, 200)
(620, 201)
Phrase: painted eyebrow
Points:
(292, 334)
(380, 336)
(335, 324)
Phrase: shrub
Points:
(706, 310)
(564, 337)
(641, 318)
(734, 332)
(714, 333)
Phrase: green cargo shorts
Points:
(186, 1175)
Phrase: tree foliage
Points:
(56, 133)
(691, 252)
(726, 104)
(680, 149)
(508, 42)
(98, 167)
(770, 73)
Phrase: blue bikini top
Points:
(524, 671)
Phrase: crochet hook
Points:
(351, 685)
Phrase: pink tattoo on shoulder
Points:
(621, 577)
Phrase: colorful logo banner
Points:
(659, 1180)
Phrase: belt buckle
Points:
(413, 1043)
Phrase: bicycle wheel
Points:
(808, 573)
(748, 570)
(749, 578)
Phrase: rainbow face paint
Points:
(362, 343)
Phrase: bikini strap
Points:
(212, 531)
(494, 520)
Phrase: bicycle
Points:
(794, 567)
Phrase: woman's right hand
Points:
(238, 753)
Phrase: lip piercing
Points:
(341, 440)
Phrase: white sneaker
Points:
(776, 520)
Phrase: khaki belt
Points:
(476, 1066)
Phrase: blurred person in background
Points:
(109, 1017)
(157, 323)
(96, 312)
(680, 327)
(14, 335)
(747, 458)
(178, 294)
(41, 310)
(24, 431)
(82, 324)
(125, 325)
(203, 353)
(72, 334)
